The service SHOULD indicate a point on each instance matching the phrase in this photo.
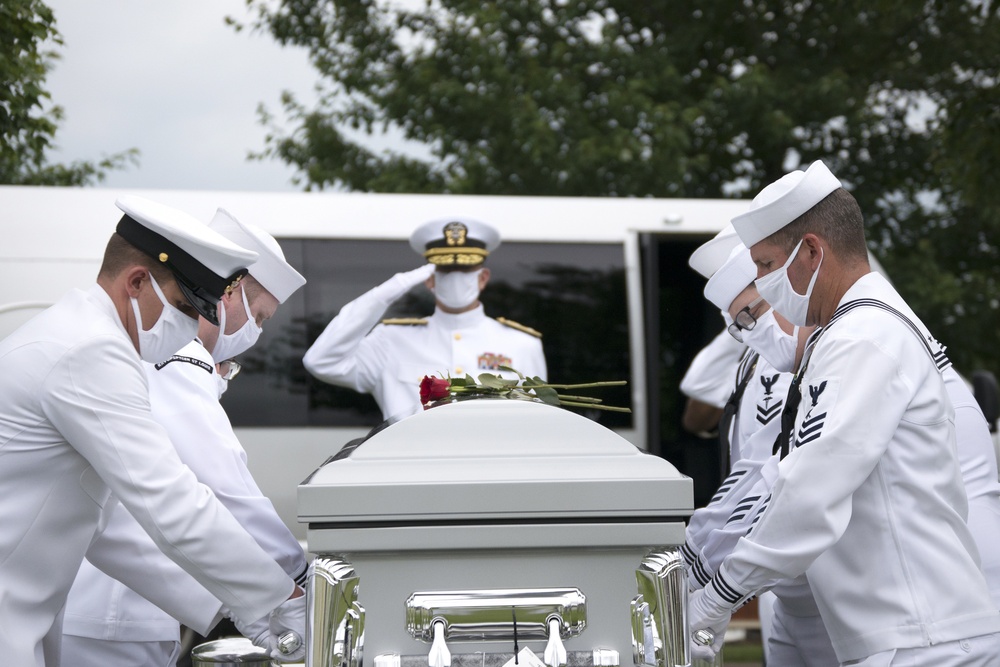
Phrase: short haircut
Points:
(251, 287)
(120, 254)
(836, 219)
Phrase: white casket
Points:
(474, 528)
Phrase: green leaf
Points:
(512, 370)
(547, 395)
(492, 381)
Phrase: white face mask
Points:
(768, 339)
(457, 289)
(231, 345)
(777, 290)
(172, 331)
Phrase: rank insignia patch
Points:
(821, 395)
(766, 411)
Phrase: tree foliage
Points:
(27, 129)
(692, 98)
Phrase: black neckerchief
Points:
(748, 365)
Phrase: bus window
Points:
(573, 293)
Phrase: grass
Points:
(747, 652)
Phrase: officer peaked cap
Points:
(204, 263)
(271, 270)
(455, 242)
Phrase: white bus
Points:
(605, 280)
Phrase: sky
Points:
(173, 80)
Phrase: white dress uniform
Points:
(794, 634)
(184, 393)
(709, 378)
(870, 503)
(713, 529)
(390, 361)
(75, 428)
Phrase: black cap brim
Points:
(205, 307)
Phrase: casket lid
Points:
(494, 459)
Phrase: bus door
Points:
(677, 322)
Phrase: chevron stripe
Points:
(760, 512)
(741, 510)
(727, 484)
(764, 416)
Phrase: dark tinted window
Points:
(573, 293)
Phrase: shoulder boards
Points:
(411, 321)
(188, 360)
(520, 327)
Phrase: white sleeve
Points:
(97, 398)
(343, 354)
(126, 553)
(816, 481)
(711, 376)
(182, 396)
(714, 530)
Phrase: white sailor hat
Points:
(783, 201)
(712, 254)
(733, 277)
(205, 264)
(271, 270)
(455, 242)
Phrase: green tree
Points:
(27, 129)
(693, 98)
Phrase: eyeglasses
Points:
(744, 321)
(229, 369)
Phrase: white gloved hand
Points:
(258, 632)
(709, 617)
(401, 283)
(289, 617)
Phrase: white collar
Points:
(464, 320)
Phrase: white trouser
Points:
(798, 641)
(87, 652)
(982, 651)
(765, 612)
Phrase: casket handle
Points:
(497, 615)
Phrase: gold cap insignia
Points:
(164, 257)
(455, 233)
(231, 286)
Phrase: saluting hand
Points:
(401, 283)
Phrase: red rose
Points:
(432, 389)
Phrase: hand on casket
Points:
(258, 632)
(709, 616)
(288, 630)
